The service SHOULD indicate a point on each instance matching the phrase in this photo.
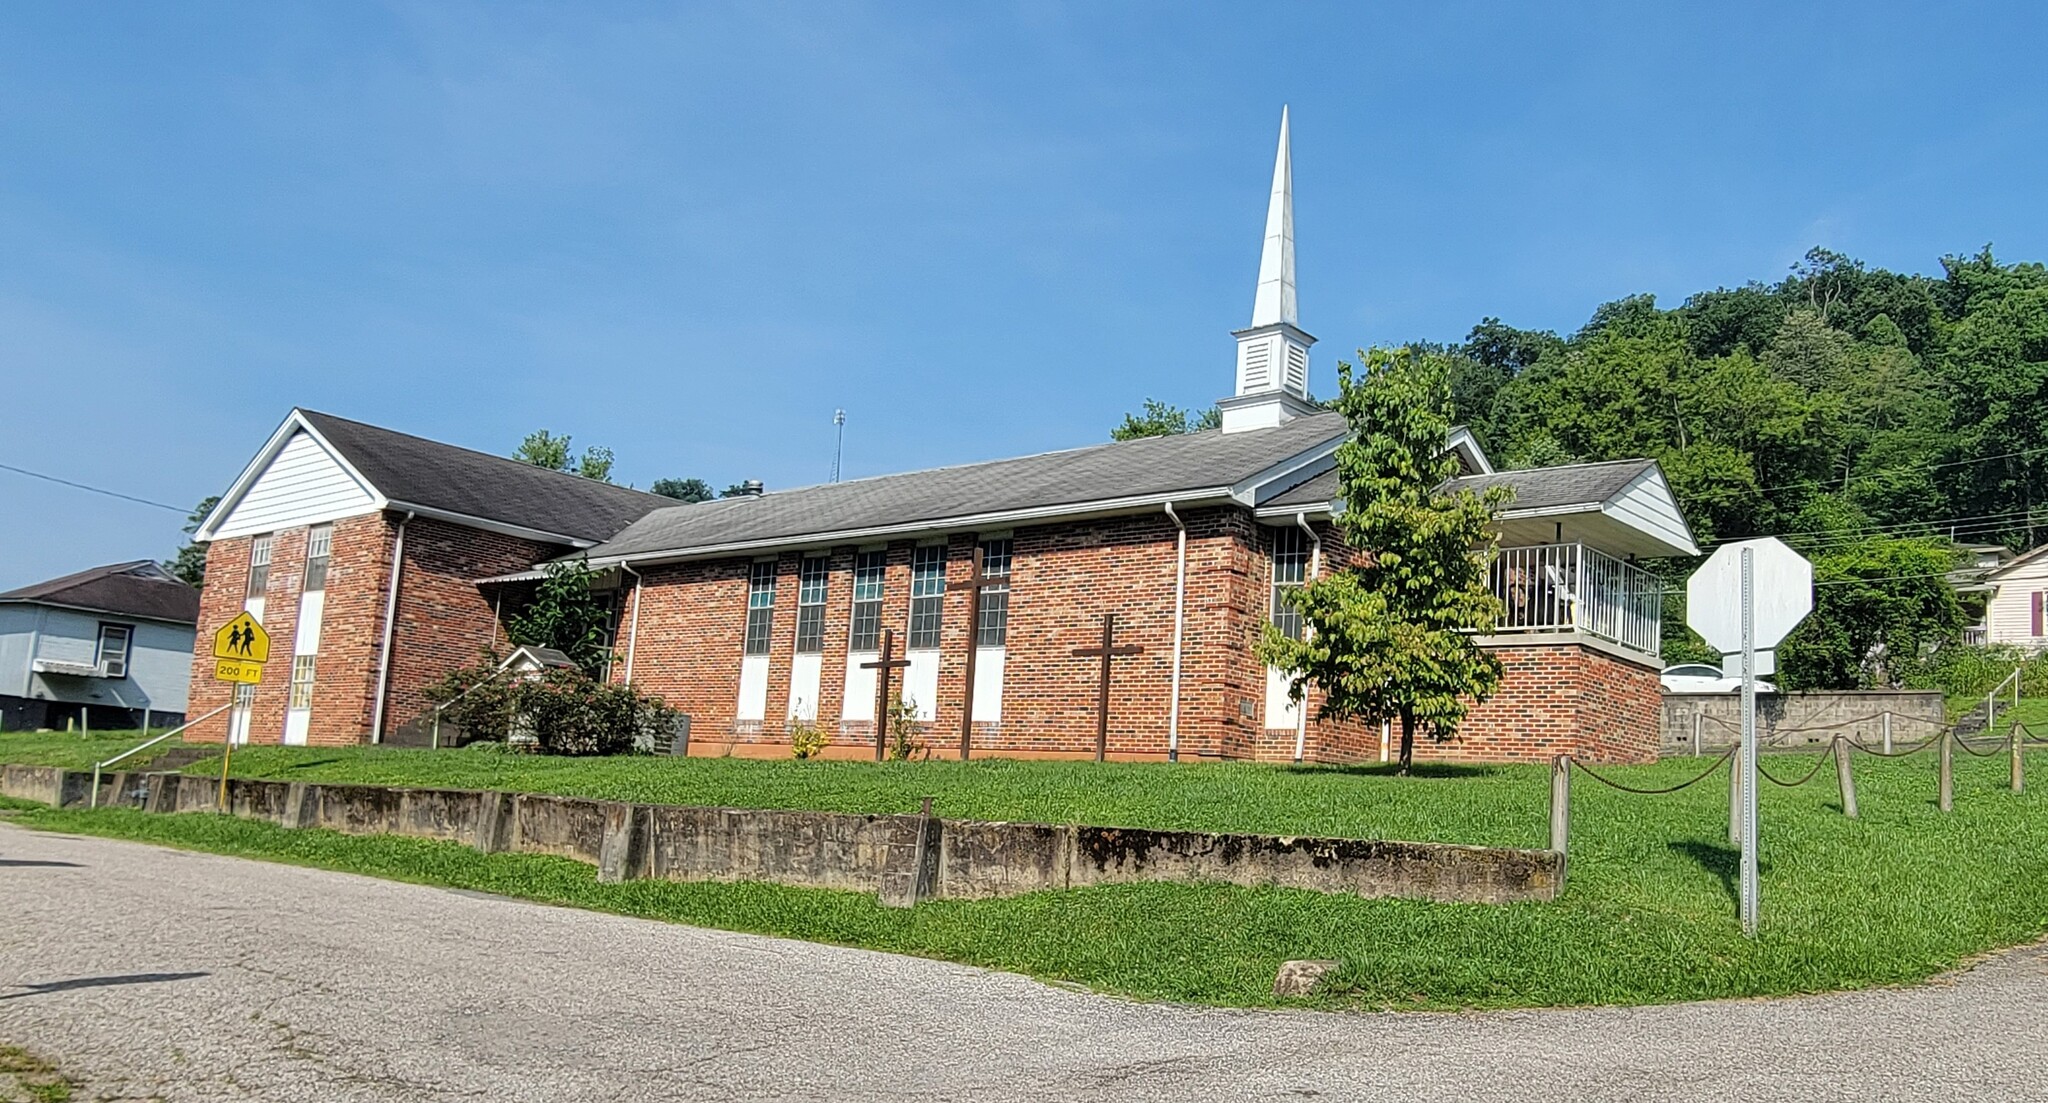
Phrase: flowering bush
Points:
(557, 711)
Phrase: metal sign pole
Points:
(1749, 794)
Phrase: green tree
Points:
(190, 562)
(683, 490)
(736, 490)
(565, 614)
(1881, 607)
(1162, 420)
(1391, 635)
(543, 449)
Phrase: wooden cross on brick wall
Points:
(973, 584)
(1108, 651)
(884, 666)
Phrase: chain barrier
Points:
(1766, 774)
(1612, 784)
(1994, 752)
(1875, 753)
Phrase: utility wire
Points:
(1812, 484)
(93, 489)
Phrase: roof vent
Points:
(752, 488)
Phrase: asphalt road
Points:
(158, 973)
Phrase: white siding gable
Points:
(1646, 504)
(2009, 615)
(303, 484)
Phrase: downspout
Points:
(1180, 589)
(1315, 567)
(390, 623)
(633, 633)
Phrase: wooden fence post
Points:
(1560, 802)
(1887, 731)
(1844, 778)
(2019, 781)
(1735, 798)
(1947, 797)
(1698, 717)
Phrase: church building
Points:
(379, 561)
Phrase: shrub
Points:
(564, 712)
(903, 729)
(806, 740)
(1968, 673)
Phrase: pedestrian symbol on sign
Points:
(244, 639)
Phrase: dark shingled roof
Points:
(1538, 488)
(422, 472)
(135, 589)
(1120, 469)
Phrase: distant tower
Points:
(1272, 353)
(839, 446)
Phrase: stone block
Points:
(1299, 978)
(622, 852)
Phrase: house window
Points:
(319, 546)
(113, 654)
(810, 605)
(868, 573)
(927, 595)
(994, 623)
(259, 565)
(1290, 570)
(302, 681)
(760, 607)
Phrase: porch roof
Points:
(1623, 507)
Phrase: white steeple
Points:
(1275, 301)
(1272, 355)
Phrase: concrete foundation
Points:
(904, 859)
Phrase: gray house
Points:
(106, 648)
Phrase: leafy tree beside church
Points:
(1162, 420)
(1391, 636)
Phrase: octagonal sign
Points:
(1781, 583)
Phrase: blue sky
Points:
(984, 230)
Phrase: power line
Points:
(1811, 484)
(1949, 527)
(93, 489)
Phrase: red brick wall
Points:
(1063, 579)
(1560, 699)
(220, 600)
(443, 621)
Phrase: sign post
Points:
(1771, 587)
(240, 649)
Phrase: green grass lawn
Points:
(77, 751)
(1648, 916)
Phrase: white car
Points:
(1706, 678)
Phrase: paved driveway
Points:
(189, 976)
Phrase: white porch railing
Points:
(1574, 588)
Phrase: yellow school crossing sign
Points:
(240, 649)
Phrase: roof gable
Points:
(300, 481)
(318, 467)
(1633, 507)
(138, 588)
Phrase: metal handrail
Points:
(94, 802)
(1574, 588)
(1991, 699)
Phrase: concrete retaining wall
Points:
(903, 858)
(1851, 712)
